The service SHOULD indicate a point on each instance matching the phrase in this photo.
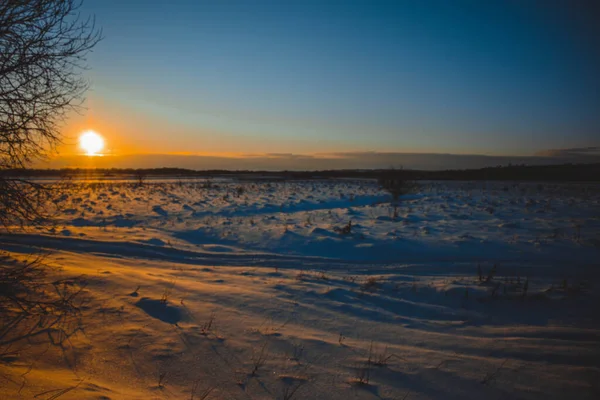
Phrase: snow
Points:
(249, 289)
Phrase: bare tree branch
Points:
(43, 49)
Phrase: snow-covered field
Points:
(321, 290)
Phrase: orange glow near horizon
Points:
(91, 142)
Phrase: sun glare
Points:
(91, 143)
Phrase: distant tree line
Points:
(563, 172)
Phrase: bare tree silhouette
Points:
(43, 47)
(396, 182)
(140, 177)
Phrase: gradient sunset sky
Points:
(304, 77)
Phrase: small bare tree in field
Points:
(43, 45)
(396, 182)
(140, 177)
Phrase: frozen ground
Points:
(468, 290)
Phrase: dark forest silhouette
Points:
(564, 172)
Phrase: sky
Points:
(330, 79)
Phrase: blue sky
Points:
(465, 77)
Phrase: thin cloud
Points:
(593, 151)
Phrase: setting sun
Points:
(91, 142)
